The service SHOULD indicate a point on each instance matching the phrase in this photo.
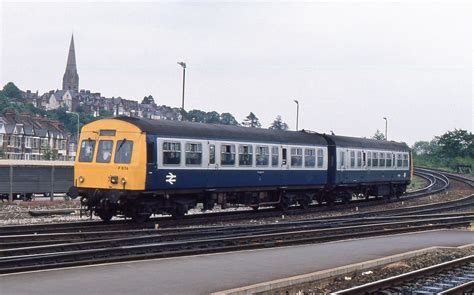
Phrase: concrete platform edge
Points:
(324, 274)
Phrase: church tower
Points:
(71, 78)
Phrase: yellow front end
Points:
(111, 155)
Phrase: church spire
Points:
(71, 78)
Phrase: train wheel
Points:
(105, 210)
(179, 211)
(304, 203)
(104, 215)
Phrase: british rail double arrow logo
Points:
(170, 178)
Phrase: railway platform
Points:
(205, 274)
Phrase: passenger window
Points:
(150, 152)
(123, 152)
(228, 154)
(405, 160)
(382, 160)
(171, 153)
(310, 158)
(353, 160)
(262, 156)
(245, 155)
(320, 158)
(359, 159)
(343, 159)
(275, 156)
(104, 152)
(296, 157)
(369, 159)
(212, 154)
(389, 160)
(193, 154)
(87, 150)
(399, 160)
(375, 160)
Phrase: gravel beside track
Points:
(358, 278)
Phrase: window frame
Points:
(311, 155)
(231, 153)
(245, 151)
(99, 151)
(296, 153)
(265, 155)
(169, 150)
(186, 153)
(119, 145)
(92, 152)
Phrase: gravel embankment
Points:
(370, 275)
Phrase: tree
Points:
(196, 116)
(49, 154)
(213, 118)
(10, 90)
(457, 143)
(378, 135)
(278, 124)
(251, 121)
(228, 119)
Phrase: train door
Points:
(285, 165)
(213, 160)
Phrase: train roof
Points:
(169, 128)
(356, 142)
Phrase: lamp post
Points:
(183, 64)
(297, 113)
(78, 126)
(386, 121)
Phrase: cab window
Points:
(193, 154)
(123, 152)
(104, 152)
(87, 150)
(171, 153)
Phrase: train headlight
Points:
(81, 179)
(124, 181)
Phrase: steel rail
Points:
(152, 249)
(379, 286)
(189, 219)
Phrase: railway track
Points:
(210, 240)
(452, 277)
(58, 245)
(437, 183)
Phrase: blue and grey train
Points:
(138, 167)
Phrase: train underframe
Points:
(141, 205)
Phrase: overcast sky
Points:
(349, 64)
